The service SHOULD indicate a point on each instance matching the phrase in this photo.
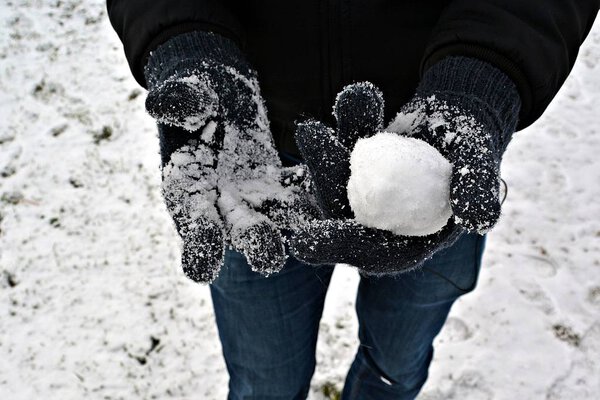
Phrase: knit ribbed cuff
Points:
(188, 50)
(480, 86)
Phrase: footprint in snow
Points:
(594, 295)
(582, 381)
(536, 295)
(455, 330)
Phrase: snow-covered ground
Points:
(93, 304)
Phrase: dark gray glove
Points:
(223, 181)
(465, 108)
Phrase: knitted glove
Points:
(464, 108)
(468, 110)
(223, 182)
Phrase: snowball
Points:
(399, 184)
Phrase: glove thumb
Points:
(186, 102)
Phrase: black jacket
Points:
(306, 51)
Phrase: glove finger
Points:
(373, 251)
(358, 110)
(329, 165)
(200, 227)
(262, 245)
(189, 189)
(203, 249)
(251, 233)
(191, 204)
(184, 102)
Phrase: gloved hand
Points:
(463, 107)
(223, 181)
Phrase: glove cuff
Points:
(188, 51)
(482, 89)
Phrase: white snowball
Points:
(399, 184)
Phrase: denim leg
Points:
(400, 316)
(268, 327)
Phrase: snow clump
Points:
(399, 184)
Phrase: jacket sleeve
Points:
(535, 42)
(144, 25)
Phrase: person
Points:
(461, 75)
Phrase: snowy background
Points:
(92, 301)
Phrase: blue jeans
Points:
(268, 326)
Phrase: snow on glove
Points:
(340, 238)
(467, 110)
(359, 111)
(223, 181)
